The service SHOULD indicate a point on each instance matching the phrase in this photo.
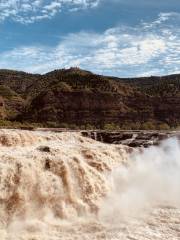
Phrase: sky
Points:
(124, 38)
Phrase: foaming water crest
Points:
(65, 186)
(64, 182)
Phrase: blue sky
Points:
(112, 37)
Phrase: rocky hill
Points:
(78, 97)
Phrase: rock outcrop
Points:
(132, 138)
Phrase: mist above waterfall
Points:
(151, 179)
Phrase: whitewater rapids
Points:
(64, 186)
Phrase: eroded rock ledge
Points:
(132, 138)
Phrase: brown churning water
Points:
(65, 186)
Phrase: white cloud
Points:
(148, 49)
(29, 11)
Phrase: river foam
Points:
(65, 186)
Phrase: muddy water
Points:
(65, 186)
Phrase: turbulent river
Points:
(65, 186)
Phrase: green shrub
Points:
(148, 126)
(89, 127)
(111, 126)
(163, 126)
(62, 86)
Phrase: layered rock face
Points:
(98, 109)
(80, 97)
(78, 107)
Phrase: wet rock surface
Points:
(44, 149)
(131, 138)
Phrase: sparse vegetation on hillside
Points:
(6, 92)
(167, 86)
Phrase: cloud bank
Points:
(29, 11)
(151, 48)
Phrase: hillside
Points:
(70, 97)
(156, 86)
